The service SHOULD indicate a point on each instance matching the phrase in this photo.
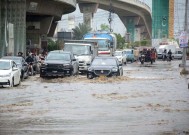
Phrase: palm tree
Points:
(80, 31)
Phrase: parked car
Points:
(122, 58)
(129, 55)
(178, 55)
(104, 66)
(21, 63)
(9, 73)
(59, 63)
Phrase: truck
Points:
(84, 51)
(107, 42)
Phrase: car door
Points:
(74, 63)
(119, 67)
(124, 58)
(16, 73)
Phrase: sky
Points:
(100, 17)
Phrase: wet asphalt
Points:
(147, 100)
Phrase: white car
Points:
(9, 73)
(178, 55)
(121, 57)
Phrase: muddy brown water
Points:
(147, 100)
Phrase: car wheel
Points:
(71, 72)
(19, 81)
(89, 76)
(12, 83)
(42, 76)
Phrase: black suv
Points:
(59, 63)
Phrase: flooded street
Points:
(147, 100)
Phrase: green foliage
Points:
(80, 30)
(52, 45)
(139, 43)
(120, 41)
(104, 27)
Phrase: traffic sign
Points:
(183, 39)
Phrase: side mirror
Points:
(120, 64)
(14, 68)
(73, 59)
(25, 64)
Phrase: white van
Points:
(161, 49)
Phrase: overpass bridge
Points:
(135, 15)
(27, 23)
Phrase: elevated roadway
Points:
(135, 15)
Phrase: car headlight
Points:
(120, 59)
(114, 69)
(88, 63)
(90, 69)
(6, 75)
(66, 65)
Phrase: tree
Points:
(120, 41)
(80, 30)
(104, 27)
(52, 45)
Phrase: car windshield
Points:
(104, 62)
(103, 44)
(16, 60)
(128, 52)
(78, 49)
(5, 65)
(117, 53)
(58, 56)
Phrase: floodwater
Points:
(147, 100)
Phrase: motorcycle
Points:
(142, 59)
(169, 57)
(31, 69)
(145, 58)
(164, 57)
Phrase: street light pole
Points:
(185, 29)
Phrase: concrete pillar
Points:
(88, 9)
(137, 36)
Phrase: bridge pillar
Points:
(88, 9)
(36, 31)
(12, 26)
(134, 29)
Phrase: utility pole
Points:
(185, 29)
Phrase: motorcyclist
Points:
(20, 54)
(30, 62)
(165, 54)
(35, 63)
(170, 54)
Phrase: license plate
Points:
(102, 77)
(54, 71)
